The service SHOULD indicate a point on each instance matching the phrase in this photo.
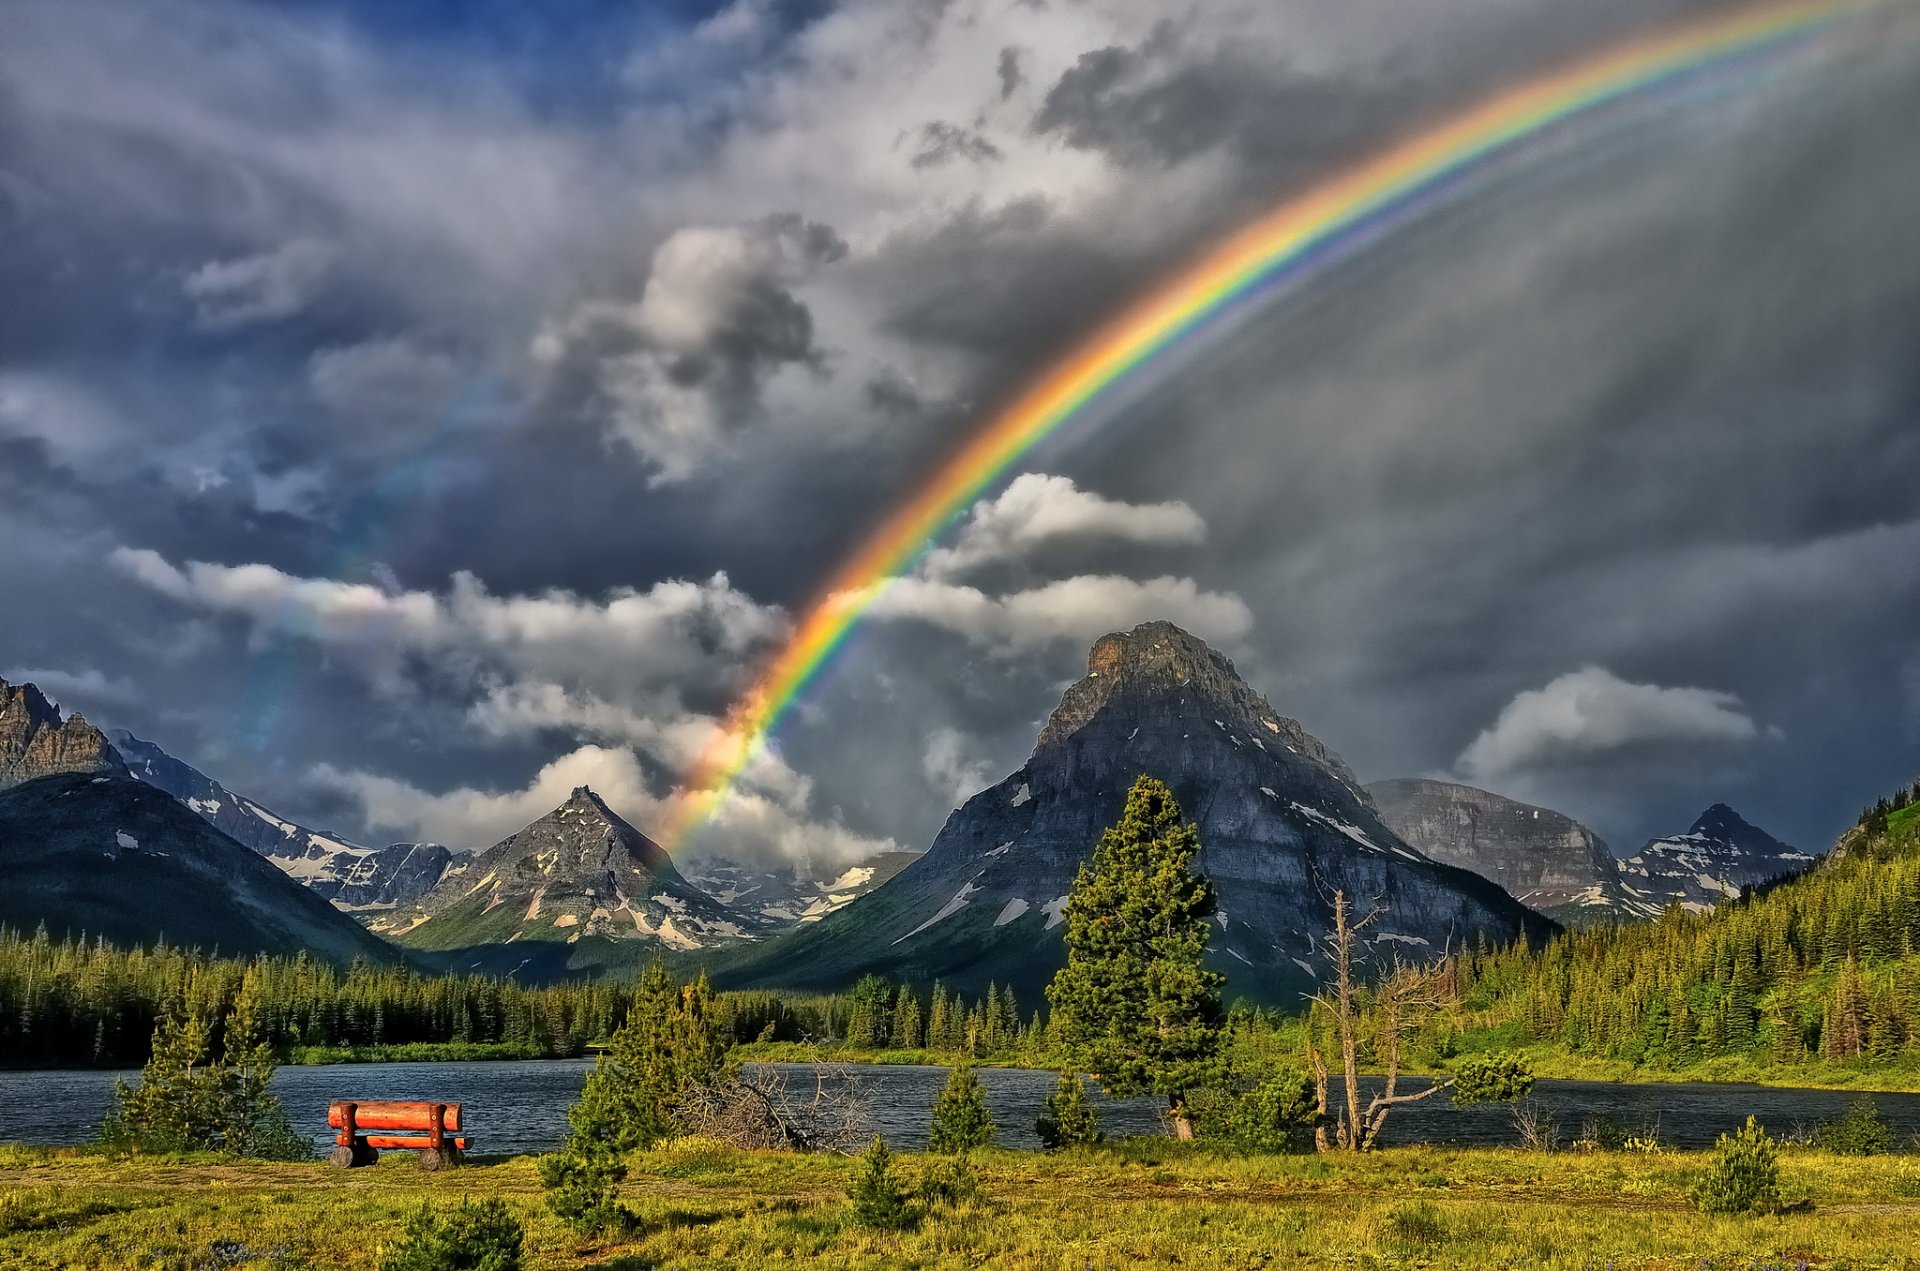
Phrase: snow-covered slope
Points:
(791, 896)
(578, 874)
(353, 877)
(1720, 855)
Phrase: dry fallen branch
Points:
(760, 1110)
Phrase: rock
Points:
(579, 875)
(1544, 859)
(1718, 857)
(36, 742)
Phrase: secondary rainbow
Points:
(1302, 232)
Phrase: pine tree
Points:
(673, 1039)
(1070, 1119)
(939, 1020)
(878, 1200)
(960, 1118)
(906, 1020)
(1135, 1001)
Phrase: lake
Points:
(522, 1106)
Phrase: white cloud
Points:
(1592, 714)
(247, 290)
(675, 631)
(616, 670)
(677, 372)
(949, 768)
(1073, 609)
(1038, 510)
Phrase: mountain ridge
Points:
(1283, 822)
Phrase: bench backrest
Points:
(393, 1114)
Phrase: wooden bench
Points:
(435, 1131)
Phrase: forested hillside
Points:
(1822, 968)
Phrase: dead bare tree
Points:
(759, 1109)
(1403, 996)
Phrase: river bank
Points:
(1896, 1076)
(1137, 1202)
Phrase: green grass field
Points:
(1142, 1202)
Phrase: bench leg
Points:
(353, 1157)
(435, 1158)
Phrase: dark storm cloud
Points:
(1645, 404)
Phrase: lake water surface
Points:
(522, 1106)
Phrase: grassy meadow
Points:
(1139, 1201)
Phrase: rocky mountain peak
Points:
(579, 872)
(1718, 856)
(36, 742)
(1546, 859)
(1158, 673)
(1283, 822)
(1723, 823)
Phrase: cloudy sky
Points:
(411, 411)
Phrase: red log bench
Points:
(436, 1131)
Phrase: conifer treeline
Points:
(1885, 813)
(1819, 967)
(882, 1014)
(85, 1003)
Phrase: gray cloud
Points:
(1640, 397)
(941, 142)
(264, 287)
(678, 369)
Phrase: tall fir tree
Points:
(1135, 1001)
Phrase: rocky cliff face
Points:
(353, 877)
(36, 742)
(578, 874)
(106, 855)
(1544, 859)
(1718, 856)
(1282, 821)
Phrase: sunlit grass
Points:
(1137, 1201)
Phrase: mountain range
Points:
(1283, 821)
(351, 876)
(1283, 824)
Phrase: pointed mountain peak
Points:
(27, 702)
(1159, 669)
(36, 742)
(1721, 822)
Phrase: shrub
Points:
(673, 1043)
(1277, 1115)
(1860, 1131)
(1498, 1077)
(1070, 1119)
(474, 1236)
(960, 1119)
(191, 1100)
(1744, 1177)
(579, 1181)
(948, 1180)
(878, 1200)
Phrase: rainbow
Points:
(1306, 231)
